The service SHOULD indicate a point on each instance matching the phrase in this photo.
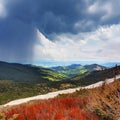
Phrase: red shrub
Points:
(54, 109)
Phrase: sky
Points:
(35, 31)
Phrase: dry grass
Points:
(105, 101)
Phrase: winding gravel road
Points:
(54, 94)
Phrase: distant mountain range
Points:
(22, 73)
(77, 69)
(94, 76)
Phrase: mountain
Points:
(71, 70)
(77, 69)
(94, 76)
(22, 73)
(60, 68)
(21, 81)
(74, 66)
(94, 67)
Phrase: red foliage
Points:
(54, 109)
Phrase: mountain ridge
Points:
(25, 72)
(77, 69)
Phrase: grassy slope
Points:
(13, 90)
(103, 101)
(70, 71)
(73, 72)
(20, 81)
(53, 76)
(27, 73)
(10, 90)
(77, 69)
(92, 77)
(106, 101)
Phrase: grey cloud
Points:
(52, 16)
(17, 29)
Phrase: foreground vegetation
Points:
(100, 103)
(103, 101)
(53, 109)
(11, 90)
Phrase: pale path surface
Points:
(54, 94)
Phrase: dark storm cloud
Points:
(49, 15)
(17, 29)
(60, 16)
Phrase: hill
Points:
(104, 101)
(94, 76)
(77, 69)
(82, 105)
(20, 81)
(94, 67)
(27, 73)
(71, 70)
